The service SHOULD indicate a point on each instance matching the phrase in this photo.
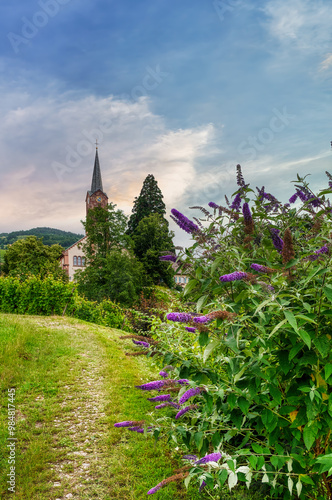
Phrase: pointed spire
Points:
(96, 178)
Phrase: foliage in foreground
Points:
(251, 390)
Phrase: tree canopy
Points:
(149, 201)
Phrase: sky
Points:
(184, 90)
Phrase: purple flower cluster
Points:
(183, 222)
(162, 397)
(276, 240)
(182, 412)
(139, 429)
(259, 268)
(202, 486)
(126, 423)
(237, 275)
(163, 374)
(201, 319)
(189, 457)
(152, 386)
(141, 343)
(171, 258)
(213, 205)
(322, 250)
(246, 212)
(155, 489)
(180, 317)
(170, 403)
(236, 203)
(191, 329)
(293, 198)
(212, 457)
(190, 393)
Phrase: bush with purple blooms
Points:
(260, 364)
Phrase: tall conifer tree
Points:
(149, 201)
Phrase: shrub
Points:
(257, 349)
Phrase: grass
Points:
(72, 382)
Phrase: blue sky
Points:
(183, 90)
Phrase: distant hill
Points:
(50, 236)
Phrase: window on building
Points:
(75, 260)
(175, 279)
(83, 261)
(79, 261)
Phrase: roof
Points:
(97, 183)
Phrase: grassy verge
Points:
(58, 367)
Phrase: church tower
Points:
(96, 197)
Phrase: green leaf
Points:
(323, 345)
(190, 286)
(275, 393)
(263, 304)
(203, 338)
(198, 438)
(257, 448)
(309, 434)
(243, 405)
(211, 346)
(276, 328)
(328, 370)
(222, 476)
(305, 337)
(307, 480)
(216, 263)
(201, 301)
(291, 320)
(328, 292)
(306, 318)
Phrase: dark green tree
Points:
(151, 239)
(149, 201)
(112, 271)
(30, 256)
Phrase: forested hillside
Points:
(50, 236)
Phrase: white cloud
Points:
(47, 153)
(302, 24)
(327, 63)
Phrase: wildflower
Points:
(239, 177)
(191, 329)
(317, 253)
(151, 386)
(184, 410)
(212, 457)
(162, 397)
(213, 205)
(237, 275)
(200, 319)
(138, 429)
(246, 212)
(128, 423)
(288, 252)
(141, 343)
(262, 269)
(189, 457)
(171, 258)
(163, 374)
(180, 317)
(182, 381)
(236, 203)
(202, 485)
(190, 393)
(169, 403)
(293, 198)
(171, 479)
(276, 240)
(183, 222)
(248, 222)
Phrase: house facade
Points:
(73, 257)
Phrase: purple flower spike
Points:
(212, 457)
(127, 423)
(182, 381)
(213, 205)
(183, 222)
(163, 374)
(259, 268)
(151, 386)
(293, 198)
(237, 275)
(323, 249)
(139, 429)
(201, 319)
(180, 317)
(141, 343)
(276, 240)
(189, 457)
(163, 405)
(236, 203)
(162, 397)
(171, 258)
(190, 393)
(202, 486)
(155, 489)
(191, 329)
(246, 212)
(182, 412)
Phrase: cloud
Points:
(301, 24)
(327, 63)
(47, 149)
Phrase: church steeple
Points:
(96, 197)
(97, 182)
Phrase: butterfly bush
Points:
(257, 352)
